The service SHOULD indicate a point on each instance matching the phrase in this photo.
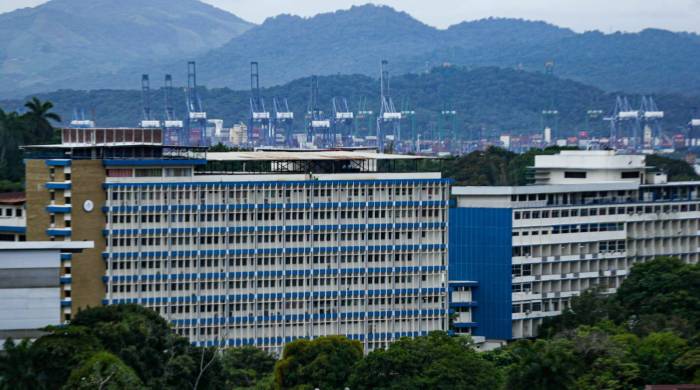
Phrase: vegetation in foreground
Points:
(646, 333)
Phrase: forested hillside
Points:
(104, 44)
(487, 99)
(62, 41)
(355, 40)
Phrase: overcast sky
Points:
(580, 15)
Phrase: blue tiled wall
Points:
(480, 250)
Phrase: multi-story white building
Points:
(587, 219)
(253, 248)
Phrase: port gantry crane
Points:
(259, 124)
(318, 127)
(549, 117)
(364, 120)
(196, 125)
(448, 124)
(624, 122)
(389, 119)
(343, 120)
(409, 115)
(283, 121)
(593, 120)
(172, 126)
(651, 118)
(148, 120)
(693, 137)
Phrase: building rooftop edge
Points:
(47, 245)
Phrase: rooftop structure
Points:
(588, 166)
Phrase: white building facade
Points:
(262, 260)
(589, 218)
(31, 286)
(253, 248)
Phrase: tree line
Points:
(34, 126)
(645, 333)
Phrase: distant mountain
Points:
(645, 62)
(49, 46)
(355, 40)
(487, 99)
(351, 41)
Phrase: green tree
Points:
(656, 354)
(103, 371)
(603, 354)
(677, 170)
(12, 133)
(689, 365)
(543, 364)
(16, 366)
(589, 308)
(55, 355)
(38, 119)
(325, 363)
(136, 335)
(436, 361)
(662, 294)
(245, 366)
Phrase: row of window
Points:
(11, 211)
(261, 282)
(585, 212)
(603, 247)
(359, 258)
(265, 238)
(241, 195)
(242, 216)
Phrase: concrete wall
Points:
(88, 267)
(29, 289)
(37, 174)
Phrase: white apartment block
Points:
(250, 248)
(587, 219)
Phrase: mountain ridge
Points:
(354, 40)
(97, 38)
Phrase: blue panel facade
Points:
(480, 242)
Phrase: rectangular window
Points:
(630, 175)
(574, 175)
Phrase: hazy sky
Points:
(581, 15)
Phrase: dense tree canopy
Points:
(436, 361)
(645, 333)
(325, 363)
(32, 127)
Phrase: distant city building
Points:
(33, 280)
(587, 219)
(249, 248)
(239, 135)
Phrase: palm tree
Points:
(39, 118)
(12, 131)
